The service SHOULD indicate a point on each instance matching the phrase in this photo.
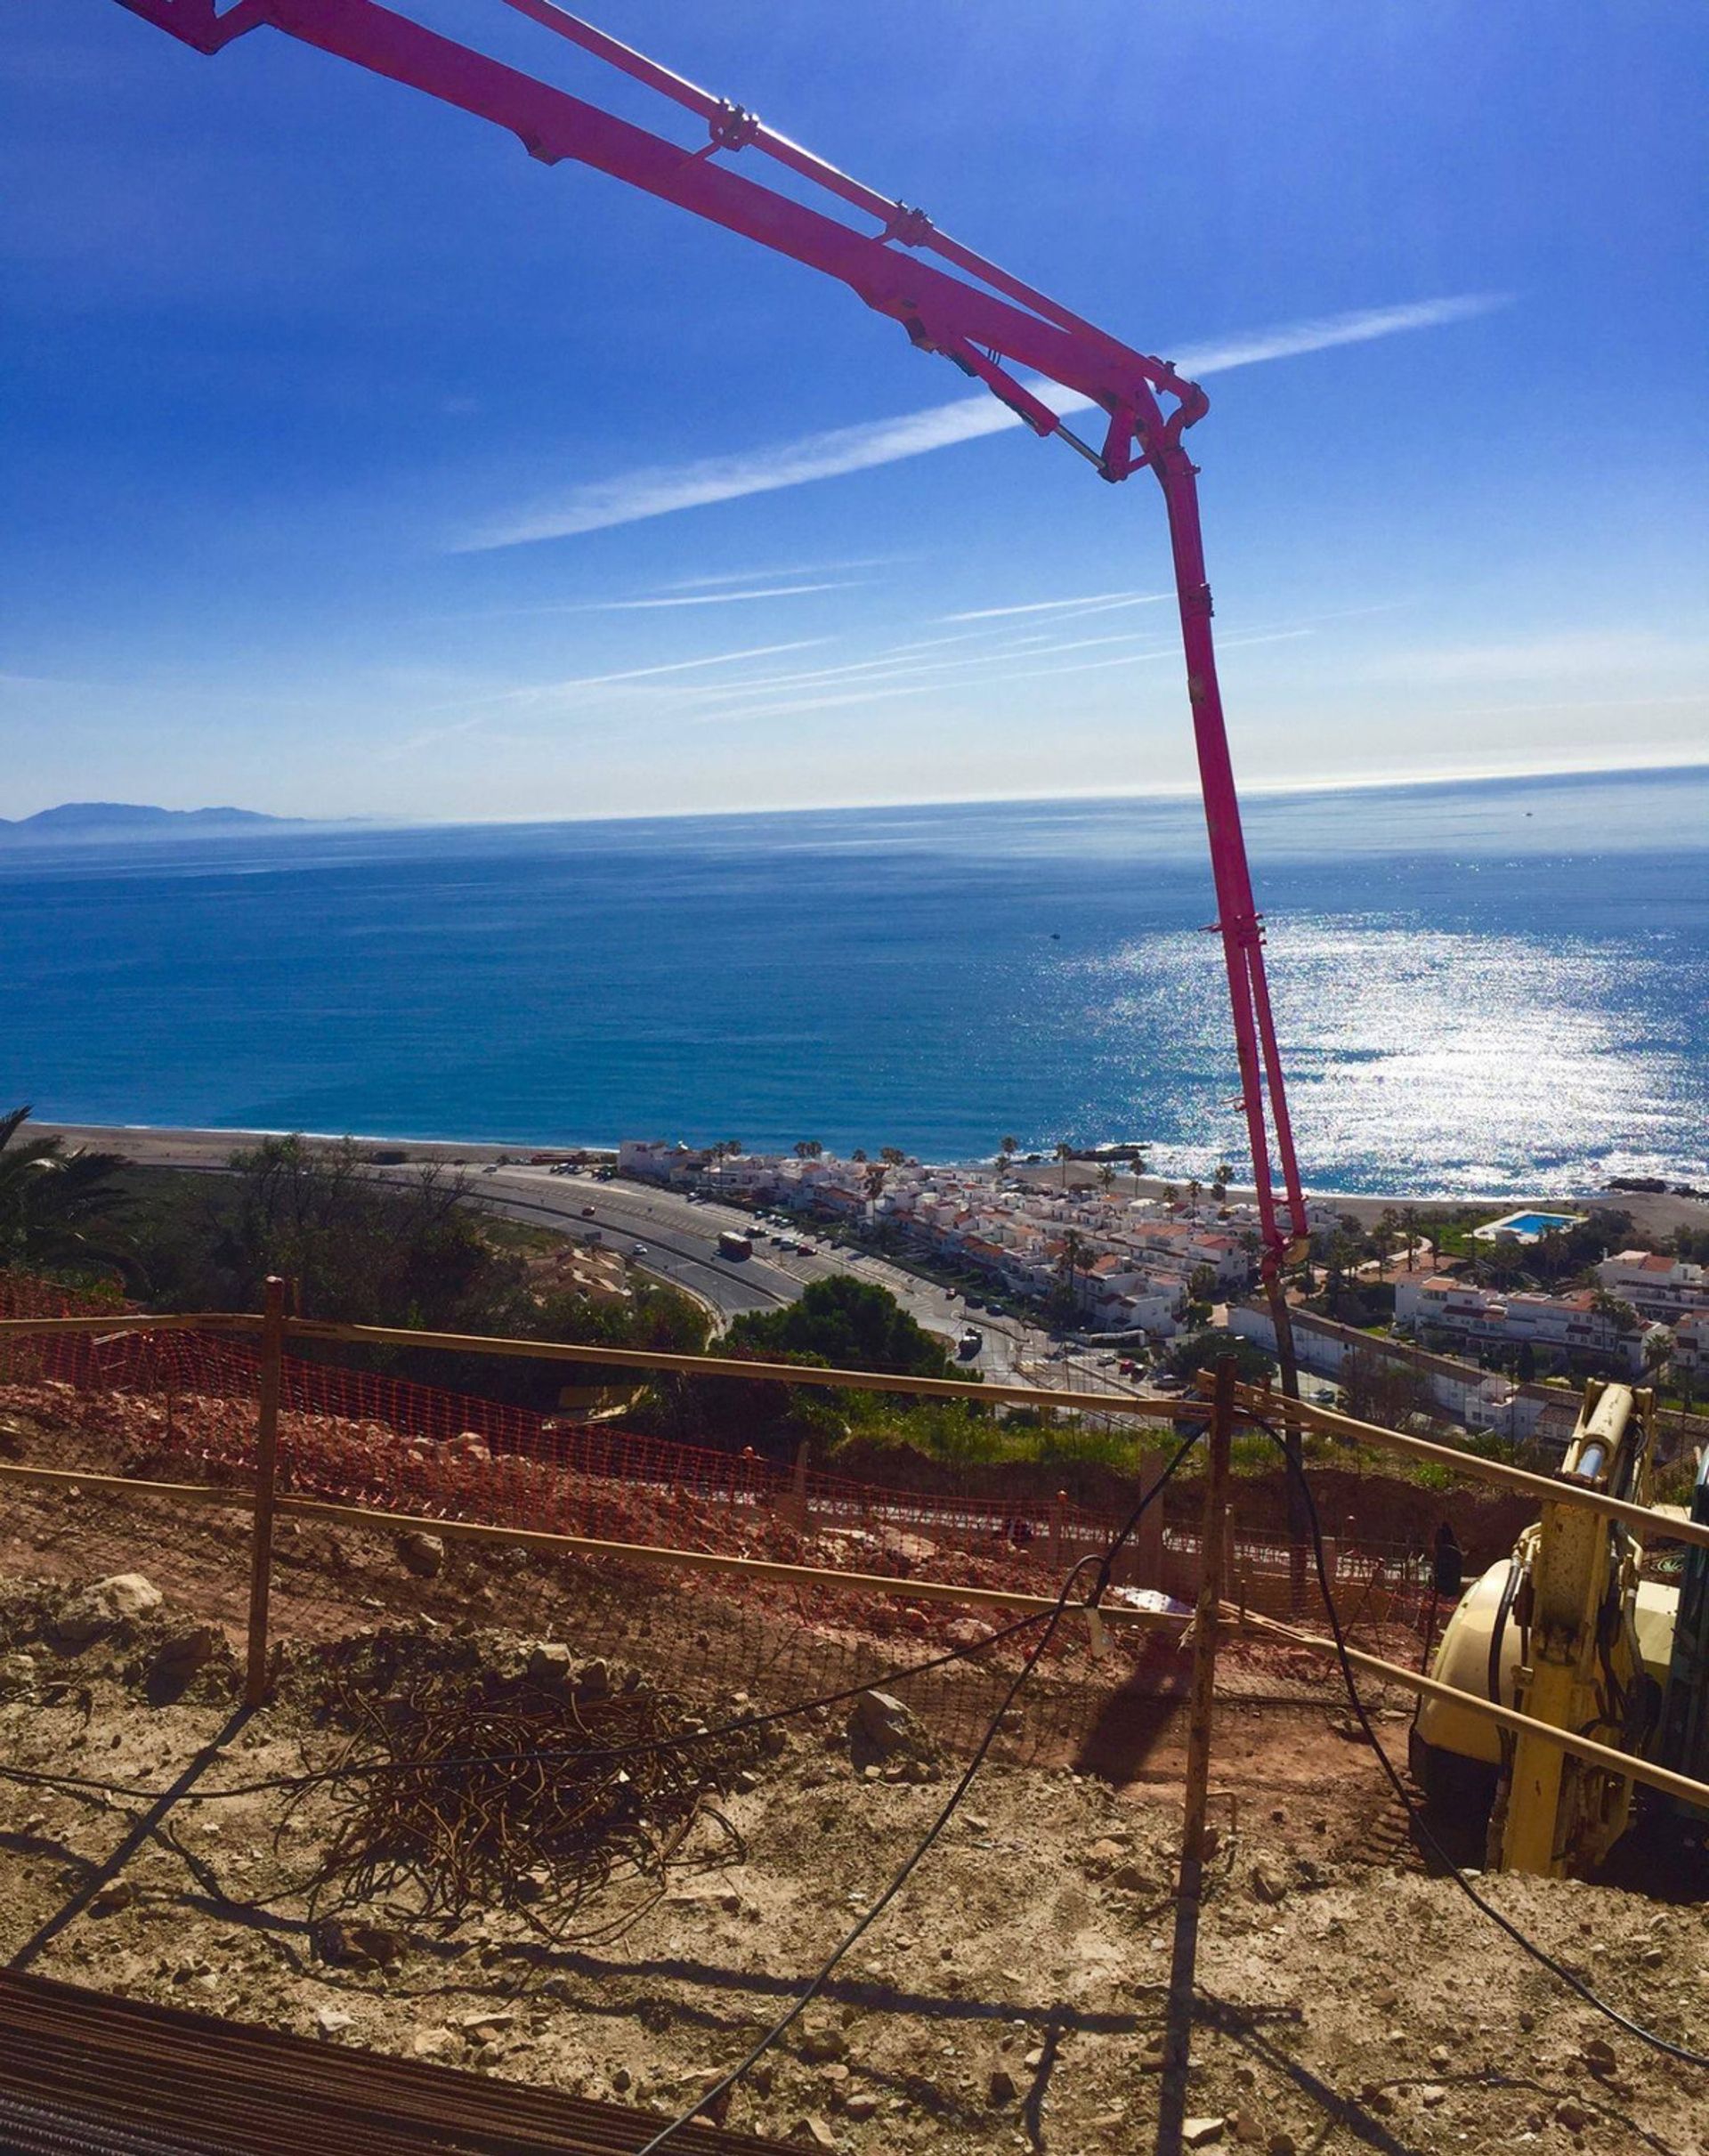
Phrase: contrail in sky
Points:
(655, 491)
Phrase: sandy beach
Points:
(1654, 1213)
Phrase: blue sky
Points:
(331, 417)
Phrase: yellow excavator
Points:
(1569, 1630)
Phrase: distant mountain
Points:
(130, 819)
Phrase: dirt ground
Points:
(1012, 1996)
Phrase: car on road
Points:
(639, 1250)
(970, 1343)
(586, 1212)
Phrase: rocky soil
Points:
(1012, 1996)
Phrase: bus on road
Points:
(734, 1244)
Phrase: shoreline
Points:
(1655, 1213)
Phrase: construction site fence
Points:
(171, 1399)
(268, 1433)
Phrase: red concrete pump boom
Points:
(987, 328)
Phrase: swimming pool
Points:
(1527, 1226)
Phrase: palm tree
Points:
(1072, 1264)
(1225, 1175)
(1409, 1229)
(807, 1148)
(57, 1208)
(1194, 1192)
(1064, 1153)
(893, 1156)
(1107, 1177)
(1006, 1152)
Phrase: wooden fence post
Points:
(261, 1548)
(1146, 1547)
(798, 1500)
(1178, 2027)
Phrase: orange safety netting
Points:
(170, 1401)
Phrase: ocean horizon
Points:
(1494, 985)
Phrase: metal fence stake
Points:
(260, 1546)
(1178, 2027)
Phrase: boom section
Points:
(974, 313)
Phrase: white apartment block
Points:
(1654, 1284)
(1436, 1304)
(1691, 1344)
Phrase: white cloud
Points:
(658, 490)
(1097, 603)
(723, 598)
(647, 673)
(789, 569)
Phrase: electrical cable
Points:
(1541, 1955)
(900, 1879)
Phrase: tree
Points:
(1339, 1256)
(1381, 1390)
(1619, 1313)
(1064, 1153)
(1107, 1177)
(808, 1148)
(359, 1250)
(58, 1210)
(1006, 1153)
(1194, 1192)
(893, 1156)
(1225, 1175)
(848, 1325)
(1203, 1350)
(858, 1156)
(1172, 1196)
(1070, 1269)
(732, 1149)
(1409, 1227)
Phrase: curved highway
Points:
(680, 1242)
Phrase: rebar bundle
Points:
(458, 1791)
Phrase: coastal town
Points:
(1079, 1242)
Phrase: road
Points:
(680, 1239)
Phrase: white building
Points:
(1654, 1284)
(653, 1159)
(1438, 1305)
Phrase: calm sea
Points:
(1493, 987)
